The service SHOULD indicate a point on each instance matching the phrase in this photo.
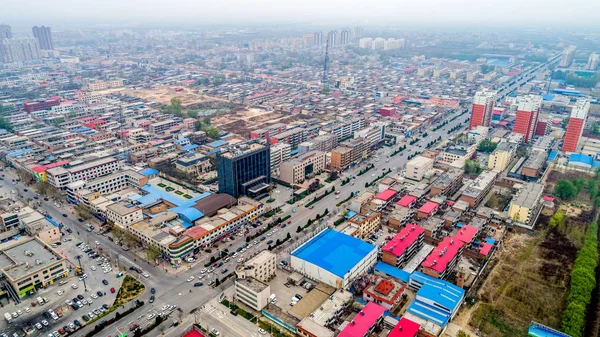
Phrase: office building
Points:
(483, 106)
(591, 64)
(44, 36)
(303, 167)
(527, 116)
(567, 56)
(344, 37)
(526, 205)
(20, 50)
(252, 292)
(334, 258)
(318, 38)
(332, 38)
(397, 251)
(29, 265)
(261, 267)
(576, 125)
(418, 167)
(5, 32)
(244, 169)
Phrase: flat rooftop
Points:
(529, 195)
(26, 257)
(312, 301)
(333, 251)
(252, 283)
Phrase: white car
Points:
(60, 292)
(190, 279)
(84, 301)
(203, 271)
(74, 286)
(97, 243)
(45, 322)
(27, 310)
(19, 312)
(151, 316)
(94, 296)
(215, 332)
(94, 268)
(90, 301)
(144, 274)
(262, 331)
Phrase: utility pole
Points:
(325, 64)
(78, 257)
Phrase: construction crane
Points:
(325, 84)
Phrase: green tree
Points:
(206, 121)
(564, 122)
(152, 253)
(487, 146)
(592, 188)
(176, 104)
(565, 190)
(462, 334)
(5, 125)
(213, 132)
(558, 221)
(193, 113)
(83, 211)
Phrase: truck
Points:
(8, 317)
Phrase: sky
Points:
(561, 13)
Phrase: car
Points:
(85, 318)
(76, 322)
(134, 327)
(24, 190)
(191, 278)
(96, 312)
(91, 315)
(215, 332)
(144, 274)
(298, 296)
(93, 268)
(61, 331)
(262, 331)
(224, 270)
(233, 312)
(152, 291)
(74, 286)
(112, 290)
(105, 282)
(269, 242)
(151, 316)
(84, 301)
(64, 215)
(38, 326)
(89, 300)
(19, 312)
(198, 284)
(203, 271)
(99, 293)
(27, 310)
(105, 306)
(45, 322)
(151, 299)
(80, 296)
(45, 199)
(263, 238)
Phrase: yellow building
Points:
(367, 224)
(526, 204)
(501, 157)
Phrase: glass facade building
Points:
(244, 170)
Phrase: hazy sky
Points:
(423, 12)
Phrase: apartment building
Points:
(448, 183)
(526, 205)
(344, 130)
(41, 105)
(261, 267)
(252, 292)
(302, 167)
(418, 167)
(443, 259)
(324, 143)
(502, 156)
(535, 164)
(375, 133)
(397, 251)
(366, 223)
(293, 137)
(161, 127)
(103, 85)
(479, 188)
(59, 177)
(280, 153)
(269, 131)
(341, 158)
(123, 214)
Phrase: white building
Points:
(280, 153)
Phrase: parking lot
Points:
(73, 300)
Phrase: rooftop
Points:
(252, 283)
(406, 201)
(405, 328)
(466, 234)
(26, 257)
(439, 258)
(363, 321)
(536, 160)
(312, 301)
(386, 195)
(336, 252)
(429, 207)
(528, 196)
(404, 239)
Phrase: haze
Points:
(495, 13)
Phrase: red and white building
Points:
(443, 259)
(385, 292)
(483, 106)
(576, 125)
(527, 116)
(403, 245)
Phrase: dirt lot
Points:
(163, 95)
(242, 121)
(529, 282)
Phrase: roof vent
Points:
(352, 322)
(362, 313)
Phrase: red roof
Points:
(404, 239)
(485, 249)
(503, 123)
(445, 252)
(363, 321)
(196, 232)
(386, 195)
(406, 201)
(405, 328)
(548, 198)
(430, 207)
(42, 168)
(194, 333)
(466, 234)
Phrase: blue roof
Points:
(52, 222)
(548, 97)
(426, 279)
(148, 172)
(350, 214)
(294, 152)
(446, 297)
(392, 271)
(180, 141)
(333, 251)
(552, 155)
(584, 159)
(490, 241)
(429, 312)
(217, 143)
(538, 330)
(190, 214)
(155, 193)
(18, 153)
(190, 147)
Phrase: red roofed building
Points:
(384, 292)
(427, 210)
(443, 259)
(407, 201)
(364, 322)
(41, 105)
(486, 249)
(405, 328)
(39, 172)
(403, 245)
(386, 195)
(387, 111)
(466, 234)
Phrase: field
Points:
(242, 121)
(162, 95)
(529, 282)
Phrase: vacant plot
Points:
(162, 95)
(529, 282)
(130, 289)
(498, 201)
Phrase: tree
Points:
(333, 175)
(193, 113)
(564, 122)
(152, 253)
(558, 221)
(198, 126)
(299, 229)
(83, 211)
(288, 236)
(217, 282)
(206, 120)
(462, 334)
(487, 146)
(176, 104)
(117, 233)
(565, 189)
(213, 132)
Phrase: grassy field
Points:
(529, 282)
(130, 289)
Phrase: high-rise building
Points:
(576, 124)
(19, 50)
(379, 43)
(592, 62)
(308, 40)
(567, 56)
(44, 36)
(5, 32)
(527, 116)
(357, 33)
(483, 106)
(244, 169)
(345, 37)
(365, 43)
(332, 37)
(318, 38)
